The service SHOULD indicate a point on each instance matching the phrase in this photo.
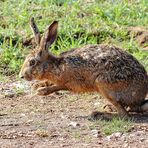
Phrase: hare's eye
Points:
(32, 62)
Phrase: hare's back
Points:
(109, 63)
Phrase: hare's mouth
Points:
(28, 78)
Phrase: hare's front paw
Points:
(43, 91)
(35, 86)
(38, 85)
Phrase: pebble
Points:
(23, 115)
(142, 139)
(123, 137)
(118, 134)
(108, 138)
(32, 113)
(29, 121)
(42, 101)
(74, 124)
(97, 104)
(137, 133)
(62, 116)
(95, 133)
(114, 135)
(125, 145)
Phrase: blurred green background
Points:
(81, 22)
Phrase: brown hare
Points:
(106, 69)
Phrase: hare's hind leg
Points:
(109, 107)
(120, 109)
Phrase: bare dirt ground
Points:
(59, 120)
(140, 35)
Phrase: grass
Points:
(2, 78)
(116, 125)
(113, 126)
(81, 23)
(76, 134)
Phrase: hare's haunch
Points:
(106, 69)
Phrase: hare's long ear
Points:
(35, 31)
(49, 36)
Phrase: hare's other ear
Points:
(49, 36)
(35, 31)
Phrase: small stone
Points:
(61, 139)
(63, 116)
(142, 139)
(138, 133)
(31, 143)
(28, 122)
(23, 115)
(32, 113)
(99, 142)
(74, 124)
(97, 104)
(125, 145)
(10, 95)
(95, 133)
(114, 135)
(108, 138)
(118, 134)
(42, 101)
(64, 145)
(132, 135)
(123, 137)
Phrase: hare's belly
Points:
(81, 86)
(79, 80)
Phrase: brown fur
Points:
(106, 69)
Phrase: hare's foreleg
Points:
(44, 91)
(40, 84)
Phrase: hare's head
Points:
(33, 66)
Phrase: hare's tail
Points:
(144, 106)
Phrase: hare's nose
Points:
(22, 77)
